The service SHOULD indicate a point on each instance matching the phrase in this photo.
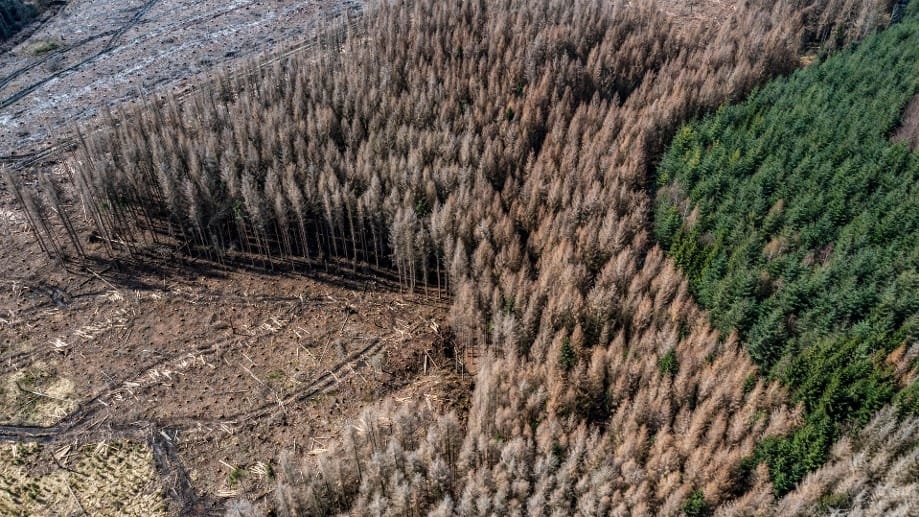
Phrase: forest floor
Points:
(210, 372)
(170, 386)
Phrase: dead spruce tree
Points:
(507, 145)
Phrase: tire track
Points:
(65, 143)
(19, 360)
(94, 421)
(114, 34)
(113, 41)
(79, 422)
(90, 407)
(44, 59)
(109, 47)
(82, 426)
(320, 384)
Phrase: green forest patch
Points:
(796, 220)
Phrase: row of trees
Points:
(48, 212)
(502, 150)
(797, 221)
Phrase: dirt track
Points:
(98, 54)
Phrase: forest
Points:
(796, 220)
(714, 325)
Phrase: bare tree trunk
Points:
(14, 186)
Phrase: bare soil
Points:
(209, 370)
(92, 55)
(908, 130)
(226, 367)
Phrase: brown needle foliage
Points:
(875, 472)
(499, 150)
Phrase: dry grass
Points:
(94, 479)
(35, 395)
